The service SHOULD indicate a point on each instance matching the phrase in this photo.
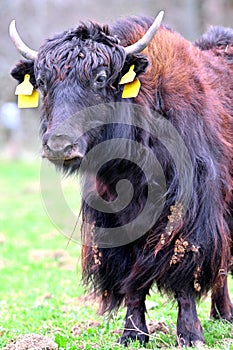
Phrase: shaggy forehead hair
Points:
(78, 52)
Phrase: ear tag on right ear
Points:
(132, 89)
(129, 76)
(27, 96)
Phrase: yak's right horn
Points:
(142, 43)
(23, 49)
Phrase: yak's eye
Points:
(100, 79)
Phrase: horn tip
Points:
(161, 15)
(12, 25)
(24, 50)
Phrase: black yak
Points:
(175, 88)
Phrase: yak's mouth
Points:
(66, 155)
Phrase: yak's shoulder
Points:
(130, 22)
(126, 28)
(132, 28)
(216, 38)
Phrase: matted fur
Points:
(190, 85)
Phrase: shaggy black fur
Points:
(191, 87)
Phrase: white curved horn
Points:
(142, 43)
(23, 49)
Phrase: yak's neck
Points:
(174, 63)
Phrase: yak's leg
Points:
(189, 330)
(135, 322)
(221, 306)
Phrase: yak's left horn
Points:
(23, 49)
(142, 43)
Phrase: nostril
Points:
(58, 146)
(67, 149)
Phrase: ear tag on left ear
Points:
(131, 89)
(25, 88)
(129, 76)
(27, 96)
(29, 101)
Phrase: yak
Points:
(167, 99)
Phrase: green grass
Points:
(40, 288)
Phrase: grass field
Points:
(40, 288)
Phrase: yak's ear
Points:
(24, 67)
(139, 61)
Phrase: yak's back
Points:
(219, 40)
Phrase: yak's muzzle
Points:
(60, 147)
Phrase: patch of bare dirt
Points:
(60, 258)
(80, 327)
(74, 304)
(31, 342)
(84, 300)
(42, 300)
(51, 235)
(155, 327)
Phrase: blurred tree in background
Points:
(39, 19)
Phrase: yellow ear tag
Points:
(27, 96)
(29, 101)
(131, 89)
(128, 77)
(25, 88)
